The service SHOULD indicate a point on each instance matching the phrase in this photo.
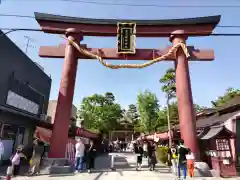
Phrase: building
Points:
(124, 130)
(44, 132)
(52, 110)
(24, 96)
(218, 137)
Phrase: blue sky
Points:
(209, 79)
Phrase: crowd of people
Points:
(34, 162)
(145, 149)
(85, 156)
(180, 158)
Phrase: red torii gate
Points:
(76, 28)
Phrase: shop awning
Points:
(43, 134)
(81, 132)
(162, 136)
(213, 131)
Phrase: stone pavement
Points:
(125, 170)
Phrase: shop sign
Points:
(22, 103)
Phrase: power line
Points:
(16, 15)
(9, 30)
(32, 17)
(150, 5)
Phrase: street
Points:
(125, 170)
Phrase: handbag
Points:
(10, 170)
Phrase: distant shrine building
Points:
(124, 130)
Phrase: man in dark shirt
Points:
(182, 160)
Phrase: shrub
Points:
(162, 154)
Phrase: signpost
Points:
(126, 38)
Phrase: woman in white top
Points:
(145, 149)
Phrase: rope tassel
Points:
(171, 51)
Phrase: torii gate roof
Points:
(200, 26)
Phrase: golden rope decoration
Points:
(113, 66)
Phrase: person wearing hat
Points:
(15, 160)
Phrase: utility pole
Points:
(28, 39)
(169, 123)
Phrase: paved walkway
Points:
(125, 170)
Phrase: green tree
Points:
(229, 94)
(199, 108)
(169, 88)
(148, 108)
(132, 113)
(100, 113)
(162, 122)
(169, 83)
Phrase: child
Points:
(190, 163)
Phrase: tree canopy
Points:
(100, 112)
(229, 94)
(148, 108)
(169, 83)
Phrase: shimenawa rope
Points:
(172, 50)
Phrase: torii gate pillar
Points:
(65, 97)
(186, 110)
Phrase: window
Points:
(20, 137)
(9, 132)
(223, 149)
(222, 144)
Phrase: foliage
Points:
(100, 112)
(162, 154)
(133, 115)
(132, 112)
(148, 108)
(169, 83)
(169, 88)
(228, 95)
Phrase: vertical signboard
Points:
(238, 141)
(126, 38)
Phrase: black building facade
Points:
(24, 96)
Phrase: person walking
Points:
(90, 157)
(38, 150)
(79, 155)
(145, 149)
(15, 161)
(190, 163)
(1, 150)
(153, 157)
(139, 152)
(182, 160)
(173, 156)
